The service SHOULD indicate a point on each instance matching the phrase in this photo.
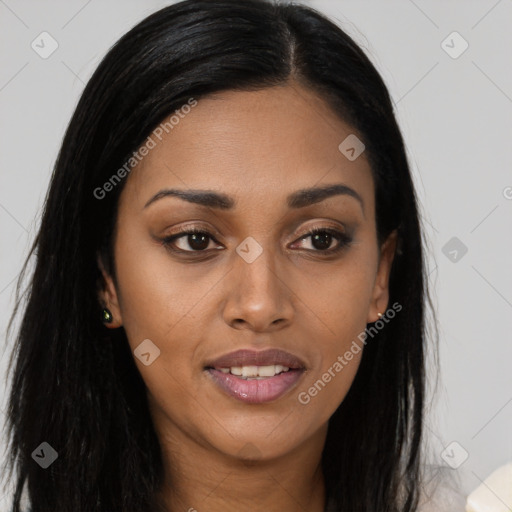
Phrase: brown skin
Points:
(222, 454)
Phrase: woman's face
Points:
(257, 279)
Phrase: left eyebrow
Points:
(309, 196)
(298, 199)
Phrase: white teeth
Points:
(249, 371)
(255, 372)
(267, 371)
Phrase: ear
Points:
(380, 296)
(108, 297)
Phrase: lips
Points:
(256, 377)
(257, 358)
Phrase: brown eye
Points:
(195, 240)
(322, 239)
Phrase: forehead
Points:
(258, 145)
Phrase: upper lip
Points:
(247, 357)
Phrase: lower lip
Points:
(256, 391)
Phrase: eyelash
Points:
(343, 240)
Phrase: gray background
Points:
(456, 116)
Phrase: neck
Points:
(199, 478)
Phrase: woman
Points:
(227, 306)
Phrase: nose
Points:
(259, 297)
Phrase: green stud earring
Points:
(107, 316)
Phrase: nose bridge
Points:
(258, 295)
(257, 266)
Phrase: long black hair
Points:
(74, 383)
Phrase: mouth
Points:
(256, 377)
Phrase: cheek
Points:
(337, 306)
(157, 297)
(339, 350)
(161, 301)
(324, 391)
(169, 304)
(337, 297)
